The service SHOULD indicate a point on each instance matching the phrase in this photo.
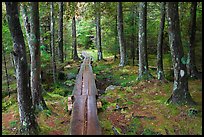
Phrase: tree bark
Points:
(27, 118)
(36, 90)
(143, 62)
(116, 37)
(191, 66)
(180, 94)
(160, 71)
(74, 39)
(132, 35)
(121, 35)
(98, 30)
(7, 79)
(53, 41)
(60, 33)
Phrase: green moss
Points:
(106, 127)
(52, 96)
(13, 123)
(133, 127)
(149, 132)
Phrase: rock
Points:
(111, 87)
(71, 76)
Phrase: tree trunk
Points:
(7, 79)
(132, 35)
(26, 22)
(74, 40)
(160, 71)
(121, 35)
(53, 41)
(60, 32)
(13, 63)
(98, 30)
(116, 51)
(27, 118)
(180, 94)
(36, 90)
(11, 59)
(191, 66)
(143, 62)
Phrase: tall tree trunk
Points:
(74, 39)
(160, 71)
(60, 32)
(116, 48)
(116, 37)
(143, 62)
(180, 94)
(121, 35)
(132, 35)
(98, 30)
(36, 90)
(26, 22)
(13, 63)
(27, 118)
(7, 79)
(11, 59)
(191, 66)
(53, 41)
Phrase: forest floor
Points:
(142, 105)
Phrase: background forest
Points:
(135, 65)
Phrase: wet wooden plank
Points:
(78, 116)
(78, 83)
(93, 126)
(85, 81)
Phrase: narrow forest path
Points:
(84, 119)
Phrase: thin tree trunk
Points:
(98, 30)
(180, 94)
(13, 63)
(160, 71)
(36, 90)
(60, 32)
(121, 35)
(74, 40)
(116, 51)
(191, 66)
(143, 62)
(11, 59)
(27, 118)
(53, 41)
(132, 36)
(7, 79)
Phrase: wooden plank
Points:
(93, 126)
(78, 116)
(85, 80)
(78, 84)
(92, 87)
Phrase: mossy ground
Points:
(143, 104)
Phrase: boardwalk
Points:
(84, 119)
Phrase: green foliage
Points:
(104, 104)
(13, 123)
(47, 112)
(148, 131)
(6, 38)
(185, 60)
(70, 82)
(192, 112)
(85, 29)
(133, 126)
(45, 57)
(107, 126)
